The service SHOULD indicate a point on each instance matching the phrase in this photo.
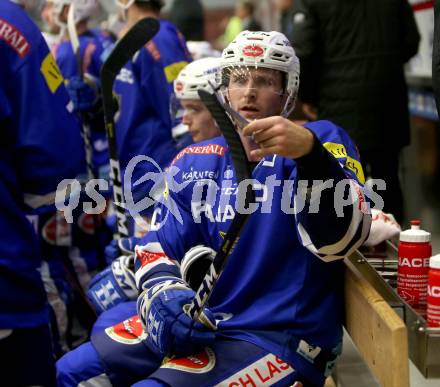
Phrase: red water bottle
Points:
(412, 273)
(433, 310)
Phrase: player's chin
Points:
(196, 136)
(251, 114)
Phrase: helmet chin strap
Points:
(286, 110)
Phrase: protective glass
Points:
(260, 79)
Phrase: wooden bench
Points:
(378, 332)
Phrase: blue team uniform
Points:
(144, 88)
(281, 291)
(95, 46)
(36, 126)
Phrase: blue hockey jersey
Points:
(282, 286)
(95, 46)
(35, 126)
(144, 88)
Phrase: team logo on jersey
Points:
(128, 332)
(14, 38)
(200, 363)
(253, 51)
(56, 231)
(86, 223)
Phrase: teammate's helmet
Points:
(270, 50)
(157, 3)
(198, 75)
(83, 9)
(199, 50)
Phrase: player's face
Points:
(48, 16)
(199, 120)
(256, 92)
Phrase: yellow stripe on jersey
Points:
(173, 70)
(51, 73)
(339, 152)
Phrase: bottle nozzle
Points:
(415, 224)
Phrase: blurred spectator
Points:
(352, 55)
(188, 16)
(246, 12)
(243, 19)
(284, 7)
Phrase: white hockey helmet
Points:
(198, 75)
(129, 3)
(270, 50)
(84, 9)
(199, 50)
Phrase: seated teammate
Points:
(116, 283)
(275, 314)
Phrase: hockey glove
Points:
(195, 264)
(170, 330)
(113, 285)
(116, 248)
(83, 93)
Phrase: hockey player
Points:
(89, 234)
(276, 310)
(36, 126)
(95, 46)
(198, 50)
(198, 75)
(118, 278)
(145, 92)
(52, 29)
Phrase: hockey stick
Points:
(142, 32)
(243, 169)
(85, 132)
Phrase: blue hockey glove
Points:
(83, 93)
(170, 330)
(113, 285)
(116, 248)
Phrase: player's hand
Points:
(170, 330)
(83, 93)
(278, 135)
(113, 285)
(116, 248)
